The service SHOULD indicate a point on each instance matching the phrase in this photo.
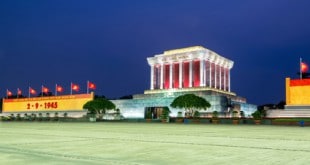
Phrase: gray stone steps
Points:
(288, 113)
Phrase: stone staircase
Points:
(300, 113)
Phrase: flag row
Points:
(58, 89)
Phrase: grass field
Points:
(151, 143)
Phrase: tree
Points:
(281, 104)
(165, 113)
(304, 74)
(16, 96)
(1, 105)
(257, 115)
(42, 94)
(126, 97)
(98, 106)
(99, 96)
(190, 103)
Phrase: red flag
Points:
(303, 67)
(75, 87)
(59, 88)
(32, 91)
(8, 93)
(19, 92)
(91, 85)
(44, 89)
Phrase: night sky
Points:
(108, 41)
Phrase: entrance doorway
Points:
(153, 112)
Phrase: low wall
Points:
(71, 114)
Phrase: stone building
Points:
(195, 70)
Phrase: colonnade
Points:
(189, 67)
(186, 74)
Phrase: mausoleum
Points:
(194, 70)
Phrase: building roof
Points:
(188, 54)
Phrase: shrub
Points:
(26, 117)
(12, 117)
(5, 118)
(56, 116)
(47, 117)
(148, 114)
(18, 118)
(215, 114)
(29, 118)
(65, 115)
(165, 113)
(117, 111)
(33, 116)
(40, 117)
(257, 115)
(242, 114)
(235, 114)
(196, 114)
(292, 119)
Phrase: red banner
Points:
(300, 82)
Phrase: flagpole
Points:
(29, 92)
(7, 93)
(41, 90)
(87, 86)
(17, 92)
(300, 69)
(56, 90)
(71, 88)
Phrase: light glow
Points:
(303, 67)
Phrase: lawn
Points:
(151, 143)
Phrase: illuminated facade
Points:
(195, 70)
(190, 67)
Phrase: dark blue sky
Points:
(107, 42)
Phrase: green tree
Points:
(165, 113)
(257, 115)
(1, 105)
(215, 114)
(281, 104)
(190, 103)
(98, 106)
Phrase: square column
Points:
(210, 74)
(190, 74)
(202, 73)
(161, 76)
(180, 74)
(152, 77)
(170, 75)
(228, 80)
(215, 76)
(220, 77)
(224, 79)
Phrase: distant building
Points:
(195, 70)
